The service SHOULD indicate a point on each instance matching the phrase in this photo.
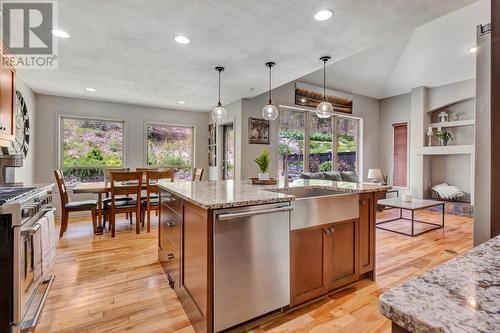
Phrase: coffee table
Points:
(412, 206)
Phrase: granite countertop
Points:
(233, 193)
(460, 296)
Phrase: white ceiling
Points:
(125, 48)
(433, 54)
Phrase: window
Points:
(291, 142)
(400, 155)
(88, 146)
(347, 144)
(171, 146)
(321, 145)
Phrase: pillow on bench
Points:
(349, 176)
(333, 175)
(312, 175)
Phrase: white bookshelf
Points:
(455, 123)
(447, 150)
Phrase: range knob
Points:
(24, 213)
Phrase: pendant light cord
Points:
(220, 104)
(270, 85)
(324, 79)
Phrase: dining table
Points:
(99, 188)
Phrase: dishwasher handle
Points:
(230, 216)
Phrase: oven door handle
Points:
(27, 231)
(48, 210)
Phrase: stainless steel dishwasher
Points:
(251, 262)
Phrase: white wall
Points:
(392, 110)
(26, 174)
(426, 170)
(46, 141)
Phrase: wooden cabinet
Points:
(169, 239)
(342, 253)
(366, 232)
(7, 99)
(323, 258)
(308, 262)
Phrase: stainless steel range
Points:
(24, 216)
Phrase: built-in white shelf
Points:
(454, 123)
(447, 150)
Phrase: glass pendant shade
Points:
(219, 114)
(324, 110)
(270, 112)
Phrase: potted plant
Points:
(263, 162)
(444, 136)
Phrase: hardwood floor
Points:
(117, 285)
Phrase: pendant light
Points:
(270, 112)
(219, 114)
(324, 109)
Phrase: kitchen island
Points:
(461, 295)
(233, 251)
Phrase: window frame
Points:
(159, 123)
(60, 126)
(408, 166)
(307, 132)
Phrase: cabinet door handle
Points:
(327, 231)
(170, 224)
(332, 230)
(170, 256)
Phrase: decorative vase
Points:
(445, 142)
(263, 175)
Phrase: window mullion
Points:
(306, 141)
(334, 143)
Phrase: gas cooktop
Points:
(11, 193)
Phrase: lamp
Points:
(219, 114)
(375, 175)
(325, 108)
(270, 111)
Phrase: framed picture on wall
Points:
(311, 96)
(258, 131)
(212, 134)
(212, 155)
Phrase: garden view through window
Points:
(89, 146)
(172, 147)
(311, 144)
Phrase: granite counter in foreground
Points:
(234, 193)
(461, 295)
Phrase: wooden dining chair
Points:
(197, 174)
(74, 206)
(152, 201)
(106, 202)
(118, 188)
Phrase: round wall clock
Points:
(22, 131)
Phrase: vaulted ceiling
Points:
(125, 48)
(433, 54)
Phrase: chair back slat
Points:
(118, 188)
(197, 174)
(152, 178)
(63, 192)
(108, 171)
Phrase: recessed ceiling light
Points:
(323, 14)
(473, 49)
(90, 89)
(60, 33)
(181, 102)
(182, 39)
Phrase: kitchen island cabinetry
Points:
(322, 258)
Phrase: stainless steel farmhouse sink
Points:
(317, 206)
